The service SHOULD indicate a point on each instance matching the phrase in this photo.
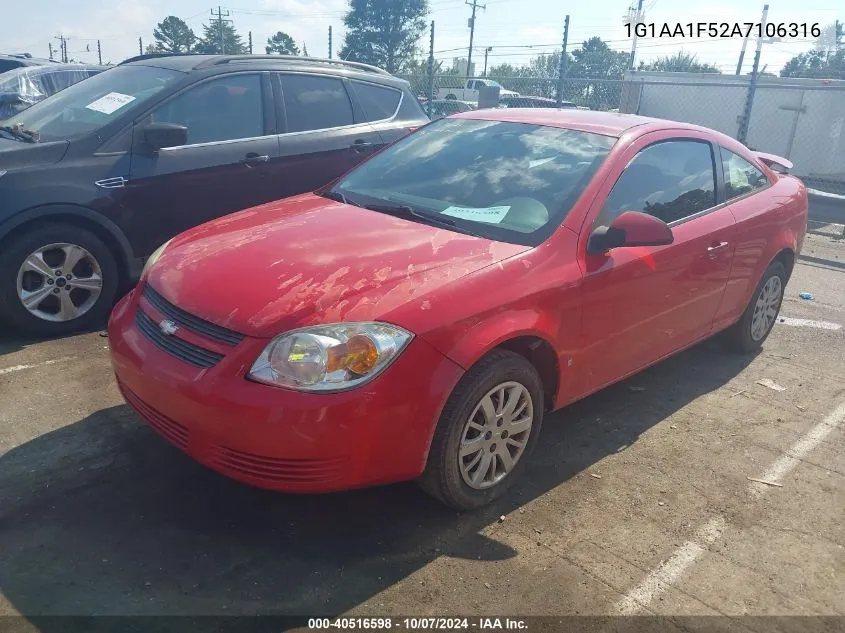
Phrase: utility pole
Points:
(220, 15)
(99, 53)
(742, 134)
(562, 68)
(140, 46)
(474, 4)
(486, 50)
(62, 47)
(330, 41)
(637, 18)
(50, 46)
(742, 53)
(250, 42)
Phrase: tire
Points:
(95, 270)
(742, 337)
(443, 477)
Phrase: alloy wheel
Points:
(59, 282)
(495, 435)
(766, 308)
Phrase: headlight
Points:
(329, 357)
(152, 259)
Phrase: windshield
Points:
(92, 103)
(512, 182)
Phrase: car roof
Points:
(606, 123)
(28, 61)
(188, 63)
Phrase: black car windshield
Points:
(512, 182)
(92, 103)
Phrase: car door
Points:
(321, 137)
(225, 166)
(643, 303)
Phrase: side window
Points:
(741, 177)
(222, 109)
(671, 180)
(6, 64)
(377, 102)
(314, 102)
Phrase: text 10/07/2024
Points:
(723, 29)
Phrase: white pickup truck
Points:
(468, 91)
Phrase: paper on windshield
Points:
(490, 215)
(112, 102)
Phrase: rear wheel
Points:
(56, 279)
(748, 334)
(486, 432)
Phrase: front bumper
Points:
(277, 438)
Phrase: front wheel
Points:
(56, 279)
(748, 334)
(486, 432)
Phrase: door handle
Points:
(254, 158)
(361, 144)
(715, 247)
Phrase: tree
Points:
(151, 49)
(282, 44)
(818, 64)
(599, 69)
(209, 43)
(384, 32)
(680, 62)
(172, 35)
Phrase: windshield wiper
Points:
(403, 210)
(20, 134)
(335, 195)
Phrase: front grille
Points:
(172, 431)
(201, 326)
(272, 469)
(188, 352)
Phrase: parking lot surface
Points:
(639, 499)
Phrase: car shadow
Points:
(103, 517)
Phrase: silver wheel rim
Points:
(59, 282)
(766, 308)
(495, 435)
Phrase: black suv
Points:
(96, 177)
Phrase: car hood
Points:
(308, 260)
(20, 154)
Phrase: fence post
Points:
(562, 69)
(430, 71)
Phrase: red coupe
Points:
(418, 317)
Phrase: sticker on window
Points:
(490, 215)
(112, 102)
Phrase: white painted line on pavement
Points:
(14, 368)
(799, 450)
(822, 325)
(671, 570)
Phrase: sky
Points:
(515, 29)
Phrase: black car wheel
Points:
(56, 279)
(759, 317)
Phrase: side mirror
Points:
(161, 135)
(631, 228)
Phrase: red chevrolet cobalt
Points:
(417, 318)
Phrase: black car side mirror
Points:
(632, 228)
(161, 135)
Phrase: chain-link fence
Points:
(594, 94)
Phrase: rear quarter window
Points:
(377, 102)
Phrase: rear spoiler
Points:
(775, 162)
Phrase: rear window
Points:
(377, 102)
(513, 182)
